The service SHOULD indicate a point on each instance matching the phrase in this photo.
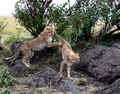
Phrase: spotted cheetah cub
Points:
(43, 40)
(68, 56)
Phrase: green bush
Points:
(6, 78)
(75, 23)
(31, 14)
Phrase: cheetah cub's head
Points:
(49, 30)
(76, 57)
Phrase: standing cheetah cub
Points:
(68, 56)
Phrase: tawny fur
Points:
(68, 55)
(43, 40)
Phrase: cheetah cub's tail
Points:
(12, 58)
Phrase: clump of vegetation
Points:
(14, 37)
(82, 81)
(6, 78)
(5, 52)
(6, 91)
(2, 25)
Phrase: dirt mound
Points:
(100, 62)
(48, 78)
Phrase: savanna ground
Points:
(15, 30)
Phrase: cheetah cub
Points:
(68, 56)
(43, 40)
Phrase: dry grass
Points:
(13, 27)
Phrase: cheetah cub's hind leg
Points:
(27, 56)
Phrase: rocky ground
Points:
(103, 64)
(98, 71)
